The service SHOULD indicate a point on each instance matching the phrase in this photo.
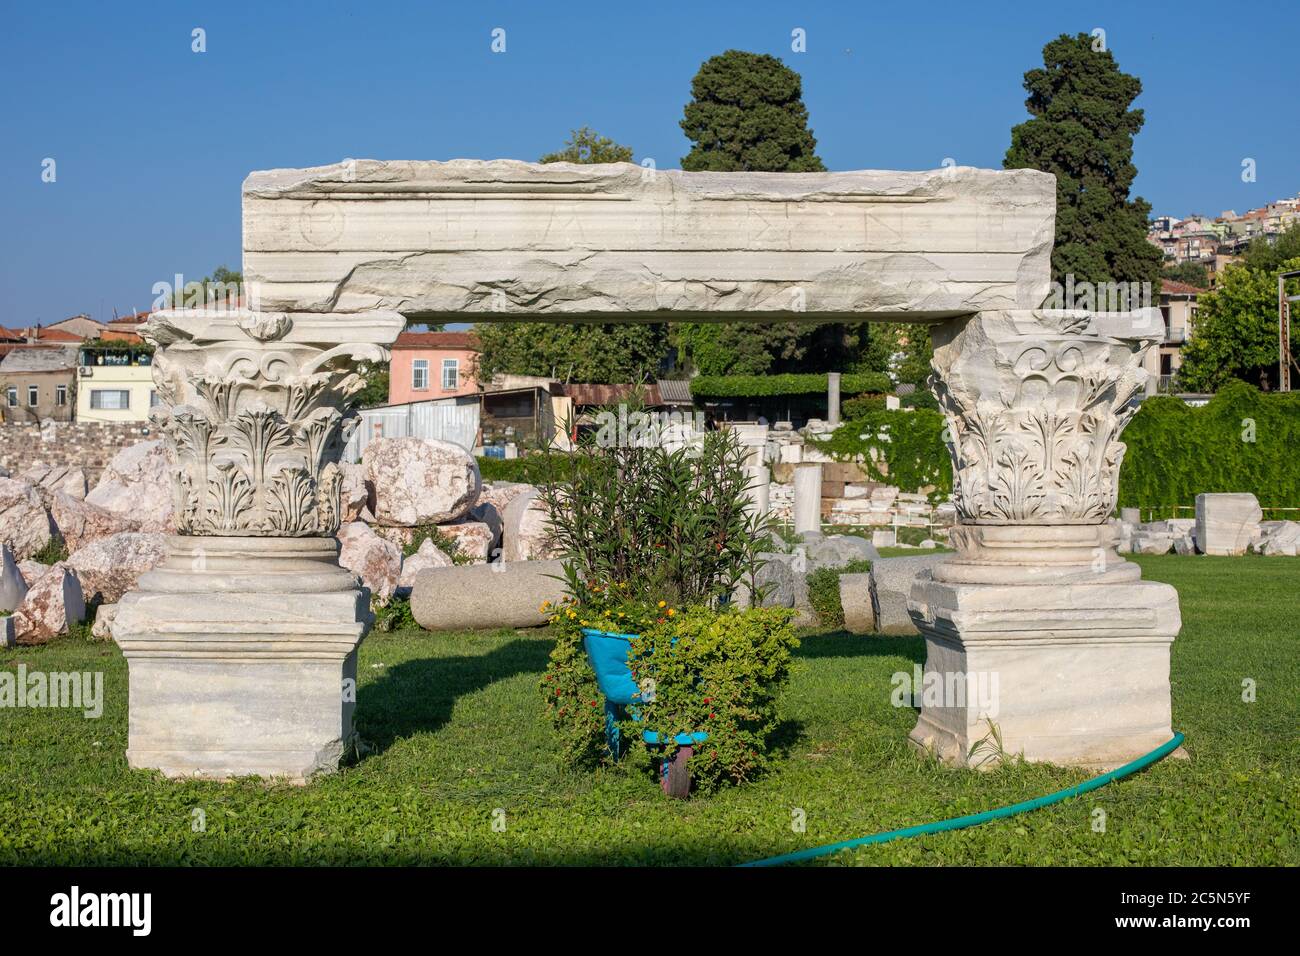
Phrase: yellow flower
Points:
(671, 612)
(663, 603)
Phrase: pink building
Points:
(429, 365)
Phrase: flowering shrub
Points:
(698, 669)
(655, 535)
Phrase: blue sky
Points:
(152, 140)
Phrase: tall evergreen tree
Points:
(1082, 130)
(747, 114)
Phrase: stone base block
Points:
(1073, 673)
(243, 656)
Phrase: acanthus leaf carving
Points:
(1035, 404)
(256, 419)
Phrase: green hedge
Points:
(767, 386)
(528, 468)
(1176, 452)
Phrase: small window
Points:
(420, 374)
(11, 393)
(60, 395)
(450, 373)
(33, 395)
(154, 400)
(110, 399)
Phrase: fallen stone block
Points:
(110, 567)
(891, 581)
(1279, 538)
(24, 523)
(102, 629)
(1153, 542)
(855, 598)
(13, 587)
(52, 605)
(137, 484)
(415, 481)
(58, 478)
(1226, 523)
(80, 523)
(428, 556)
(378, 563)
(526, 535)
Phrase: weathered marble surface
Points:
(620, 242)
(1227, 523)
(242, 655)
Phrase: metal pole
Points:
(1284, 360)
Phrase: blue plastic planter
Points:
(610, 654)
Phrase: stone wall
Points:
(88, 445)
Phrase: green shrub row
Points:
(767, 386)
(1243, 440)
(532, 469)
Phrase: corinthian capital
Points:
(1035, 401)
(255, 412)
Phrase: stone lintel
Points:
(508, 240)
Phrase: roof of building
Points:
(39, 359)
(1170, 287)
(660, 393)
(675, 391)
(84, 325)
(438, 340)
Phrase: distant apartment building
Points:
(1178, 310)
(38, 384)
(1204, 240)
(115, 382)
(432, 365)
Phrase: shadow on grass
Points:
(418, 695)
(844, 644)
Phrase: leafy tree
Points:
(1265, 256)
(601, 354)
(1082, 131)
(587, 146)
(376, 389)
(1190, 273)
(223, 288)
(747, 114)
(1235, 334)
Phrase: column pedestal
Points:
(1042, 659)
(242, 657)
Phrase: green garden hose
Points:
(975, 819)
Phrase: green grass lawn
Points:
(457, 728)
